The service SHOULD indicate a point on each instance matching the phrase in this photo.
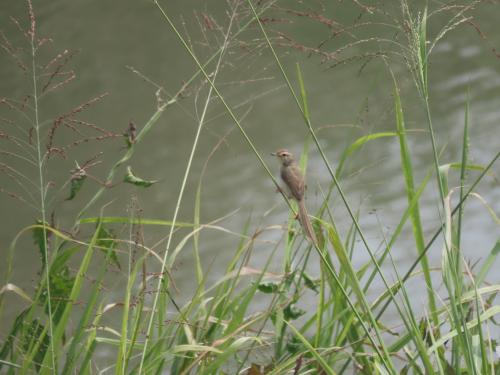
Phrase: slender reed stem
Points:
(41, 179)
(180, 196)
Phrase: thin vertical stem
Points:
(179, 198)
(41, 180)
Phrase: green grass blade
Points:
(75, 292)
(488, 263)
(357, 144)
(407, 168)
(439, 230)
(127, 220)
(311, 350)
(78, 335)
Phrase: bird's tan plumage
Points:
(294, 181)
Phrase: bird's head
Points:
(284, 155)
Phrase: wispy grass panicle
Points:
(29, 132)
(29, 142)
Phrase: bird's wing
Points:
(292, 176)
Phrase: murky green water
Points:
(345, 102)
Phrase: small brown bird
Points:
(295, 186)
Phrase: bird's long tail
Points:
(306, 223)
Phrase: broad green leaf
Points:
(137, 181)
(107, 240)
(41, 238)
(268, 288)
(309, 282)
(292, 312)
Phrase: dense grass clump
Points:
(306, 319)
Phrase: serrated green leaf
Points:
(291, 312)
(294, 345)
(106, 241)
(40, 241)
(34, 330)
(309, 282)
(62, 258)
(61, 283)
(268, 288)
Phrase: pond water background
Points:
(345, 102)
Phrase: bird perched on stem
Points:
(295, 188)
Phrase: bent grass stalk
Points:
(180, 196)
(154, 118)
(407, 168)
(384, 357)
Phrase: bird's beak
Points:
(273, 153)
